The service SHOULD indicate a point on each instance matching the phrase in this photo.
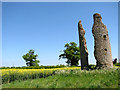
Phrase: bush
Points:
(117, 64)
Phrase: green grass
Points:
(72, 79)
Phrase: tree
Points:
(30, 58)
(71, 53)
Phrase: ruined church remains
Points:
(83, 47)
(102, 47)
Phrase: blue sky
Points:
(47, 27)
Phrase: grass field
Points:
(72, 79)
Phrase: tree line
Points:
(71, 53)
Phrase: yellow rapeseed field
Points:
(9, 75)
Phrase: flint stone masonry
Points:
(102, 48)
(83, 47)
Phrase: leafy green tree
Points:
(71, 53)
(30, 58)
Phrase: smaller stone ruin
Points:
(83, 47)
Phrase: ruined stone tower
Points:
(83, 47)
(102, 47)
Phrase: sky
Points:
(47, 26)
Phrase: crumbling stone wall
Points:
(83, 47)
(102, 47)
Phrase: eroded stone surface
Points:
(83, 47)
(102, 48)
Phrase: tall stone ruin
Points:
(102, 47)
(83, 47)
